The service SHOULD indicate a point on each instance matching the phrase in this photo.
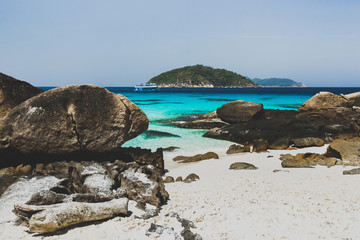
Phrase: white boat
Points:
(147, 88)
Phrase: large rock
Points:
(242, 166)
(238, 111)
(348, 150)
(326, 100)
(355, 97)
(77, 119)
(308, 142)
(13, 92)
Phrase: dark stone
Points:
(238, 111)
(151, 134)
(13, 92)
(238, 149)
(352, 171)
(207, 123)
(170, 149)
(280, 144)
(242, 165)
(260, 145)
(74, 122)
(196, 158)
(179, 179)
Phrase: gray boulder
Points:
(75, 119)
(13, 92)
(238, 111)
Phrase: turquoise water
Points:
(160, 106)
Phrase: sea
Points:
(178, 104)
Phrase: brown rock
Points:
(242, 166)
(169, 179)
(306, 160)
(196, 158)
(208, 115)
(348, 150)
(191, 178)
(13, 92)
(260, 145)
(170, 149)
(207, 123)
(352, 171)
(308, 142)
(238, 111)
(355, 97)
(238, 149)
(179, 179)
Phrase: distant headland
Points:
(207, 77)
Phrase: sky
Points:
(123, 43)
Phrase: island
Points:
(277, 82)
(201, 76)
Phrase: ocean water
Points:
(160, 107)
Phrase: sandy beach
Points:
(307, 203)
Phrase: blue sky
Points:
(122, 43)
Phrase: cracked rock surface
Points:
(75, 119)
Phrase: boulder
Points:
(260, 145)
(242, 166)
(179, 179)
(13, 92)
(238, 111)
(326, 100)
(77, 120)
(348, 150)
(196, 158)
(153, 134)
(235, 148)
(308, 142)
(355, 97)
(306, 160)
(208, 115)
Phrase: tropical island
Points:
(207, 77)
(201, 76)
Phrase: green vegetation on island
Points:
(277, 82)
(201, 76)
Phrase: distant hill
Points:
(277, 82)
(201, 76)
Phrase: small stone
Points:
(242, 166)
(191, 178)
(169, 179)
(352, 171)
(238, 149)
(179, 179)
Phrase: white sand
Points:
(317, 203)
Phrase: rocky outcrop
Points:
(13, 92)
(242, 166)
(348, 150)
(260, 145)
(326, 100)
(238, 111)
(306, 160)
(73, 122)
(275, 126)
(195, 158)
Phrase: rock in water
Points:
(50, 218)
(76, 119)
(13, 92)
(238, 111)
